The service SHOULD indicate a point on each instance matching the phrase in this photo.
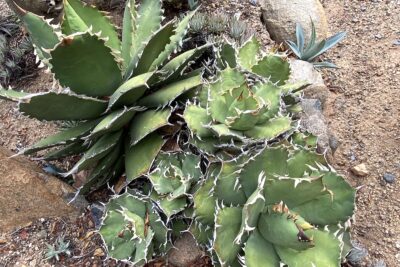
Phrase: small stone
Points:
(389, 177)
(98, 252)
(360, 170)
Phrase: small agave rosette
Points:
(233, 113)
(132, 229)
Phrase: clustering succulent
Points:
(313, 49)
(218, 24)
(236, 174)
(119, 91)
(282, 205)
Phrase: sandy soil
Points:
(363, 111)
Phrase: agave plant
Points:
(313, 48)
(118, 92)
(132, 229)
(173, 179)
(281, 206)
(239, 109)
(137, 224)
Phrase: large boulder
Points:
(281, 16)
(27, 193)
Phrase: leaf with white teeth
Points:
(75, 63)
(79, 17)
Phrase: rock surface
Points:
(185, 252)
(305, 71)
(27, 194)
(281, 16)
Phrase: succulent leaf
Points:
(149, 17)
(42, 34)
(169, 93)
(175, 41)
(258, 252)
(130, 91)
(128, 29)
(326, 251)
(53, 106)
(63, 137)
(12, 95)
(227, 226)
(147, 122)
(274, 68)
(140, 157)
(248, 53)
(98, 151)
(72, 61)
(79, 17)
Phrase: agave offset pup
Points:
(313, 49)
(118, 92)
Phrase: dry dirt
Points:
(363, 112)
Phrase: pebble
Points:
(360, 170)
(389, 177)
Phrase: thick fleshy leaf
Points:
(273, 67)
(326, 252)
(170, 92)
(337, 204)
(63, 137)
(196, 117)
(251, 211)
(154, 47)
(147, 122)
(227, 188)
(101, 169)
(248, 53)
(42, 34)
(227, 226)
(79, 17)
(84, 64)
(258, 252)
(270, 129)
(113, 122)
(204, 202)
(299, 162)
(149, 17)
(53, 106)
(68, 150)
(130, 91)
(172, 70)
(228, 55)
(284, 229)
(98, 151)
(271, 161)
(202, 233)
(12, 95)
(140, 157)
(128, 29)
(170, 206)
(175, 41)
(271, 94)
